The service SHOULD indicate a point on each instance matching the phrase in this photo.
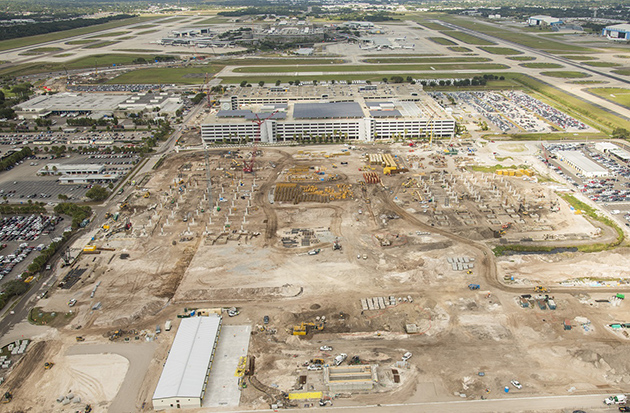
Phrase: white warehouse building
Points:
(185, 375)
(327, 112)
(582, 164)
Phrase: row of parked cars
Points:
(26, 228)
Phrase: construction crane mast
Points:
(248, 166)
(208, 179)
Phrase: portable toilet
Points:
(506, 389)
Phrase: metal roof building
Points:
(185, 374)
(617, 31)
(582, 164)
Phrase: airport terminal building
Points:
(327, 113)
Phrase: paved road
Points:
(591, 402)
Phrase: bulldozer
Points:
(305, 328)
(541, 289)
(48, 365)
(80, 338)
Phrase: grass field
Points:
(139, 50)
(442, 40)
(111, 34)
(524, 39)
(614, 94)
(63, 55)
(587, 82)
(624, 72)
(126, 38)
(82, 63)
(49, 37)
(566, 74)
(180, 75)
(371, 68)
(280, 61)
(467, 38)
(602, 64)
(622, 56)
(541, 65)
(145, 26)
(459, 49)
(506, 51)
(402, 59)
(83, 41)
(433, 26)
(211, 20)
(580, 58)
(521, 58)
(100, 44)
(147, 32)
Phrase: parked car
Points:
(325, 348)
(516, 384)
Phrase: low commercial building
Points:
(582, 165)
(89, 179)
(71, 169)
(97, 105)
(614, 150)
(544, 21)
(350, 378)
(185, 375)
(620, 32)
(327, 112)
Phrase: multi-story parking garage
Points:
(327, 113)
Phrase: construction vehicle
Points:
(305, 328)
(619, 399)
(80, 339)
(336, 245)
(317, 362)
(474, 286)
(146, 194)
(124, 205)
(7, 397)
(355, 360)
(48, 365)
(340, 359)
(108, 215)
(541, 289)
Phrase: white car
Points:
(313, 367)
(325, 348)
(516, 384)
(407, 356)
(72, 302)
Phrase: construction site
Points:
(345, 275)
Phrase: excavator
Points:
(7, 397)
(305, 328)
(541, 289)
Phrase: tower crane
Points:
(248, 166)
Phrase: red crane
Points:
(248, 166)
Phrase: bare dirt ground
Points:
(248, 246)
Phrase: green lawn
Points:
(147, 32)
(433, 26)
(100, 44)
(459, 49)
(580, 58)
(370, 68)
(541, 65)
(506, 51)
(83, 41)
(519, 37)
(82, 63)
(111, 34)
(624, 72)
(614, 94)
(442, 40)
(144, 26)
(467, 38)
(42, 38)
(566, 74)
(191, 75)
(602, 64)
(587, 82)
(522, 58)
(403, 59)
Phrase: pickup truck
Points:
(619, 399)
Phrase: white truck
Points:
(619, 399)
(340, 359)
(167, 325)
